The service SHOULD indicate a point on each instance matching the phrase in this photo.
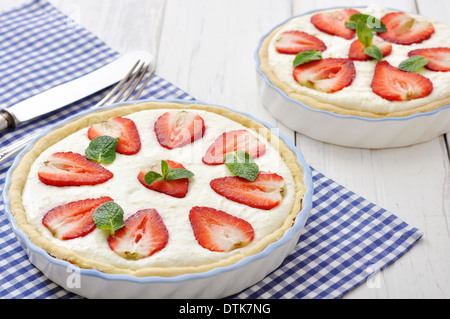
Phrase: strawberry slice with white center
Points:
(72, 169)
(394, 84)
(74, 219)
(357, 49)
(122, 128)
(143, 235)
(326, 75)
(334, 22)
(219, 231)
(293, 42)
(233, 141)
(265, 192)
(438, 58)
(176, 188)
(176, 129)
(404, 29)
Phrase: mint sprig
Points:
(167, 174)
(365, 36)
(413, 64)
(109, 217)
(307, 56)
(374, 52)
(373, 23)
(240, 163)
(102, 149)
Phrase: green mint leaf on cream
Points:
(307, 56)
(241, 164)
(109, 217)
(167, 174)
(102, 149)
(374, 52)
(413, 64)
(373, 23)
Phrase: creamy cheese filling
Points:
(359, 95)
(182, 248)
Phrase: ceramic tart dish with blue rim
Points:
(143, 193)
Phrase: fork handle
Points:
(11, 150)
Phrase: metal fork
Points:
(123, 91)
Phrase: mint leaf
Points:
(164, 168)
(152, 177)
(168, 174)
(178, 173)
(365, 36)
(413, 64)
(374, 52)
(307, 56)
(102, 149)
(364, 33)
(373, 23)
(240, 163)
(109, 217)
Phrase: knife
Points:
(71, 91)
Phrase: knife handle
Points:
(6, 121)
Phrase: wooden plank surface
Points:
(206, 47)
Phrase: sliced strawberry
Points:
(438, 58)
(178, 128)
(334, 22)
(176, 188)
(233, 141)
(74, 219)
(394, 84)
(122, 128)
(266, 192)
(404, 29)
(143, 235)
(357, 49)
(218, 231)
(326, 75)
(293, 42)
(72, 169)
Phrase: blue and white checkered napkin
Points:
(346, 239)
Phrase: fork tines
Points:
(126, 87)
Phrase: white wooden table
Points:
(206, 47)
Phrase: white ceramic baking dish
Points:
(350, 131)
(217, 283)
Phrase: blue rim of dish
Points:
(298, 224)
(284, 95)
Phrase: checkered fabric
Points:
(346, 240)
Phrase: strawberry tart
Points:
(157, 188)
(369, 62)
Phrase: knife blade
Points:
(71, 91)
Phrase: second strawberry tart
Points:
(369, 62)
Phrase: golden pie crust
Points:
(319, 105)
(20, 174)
